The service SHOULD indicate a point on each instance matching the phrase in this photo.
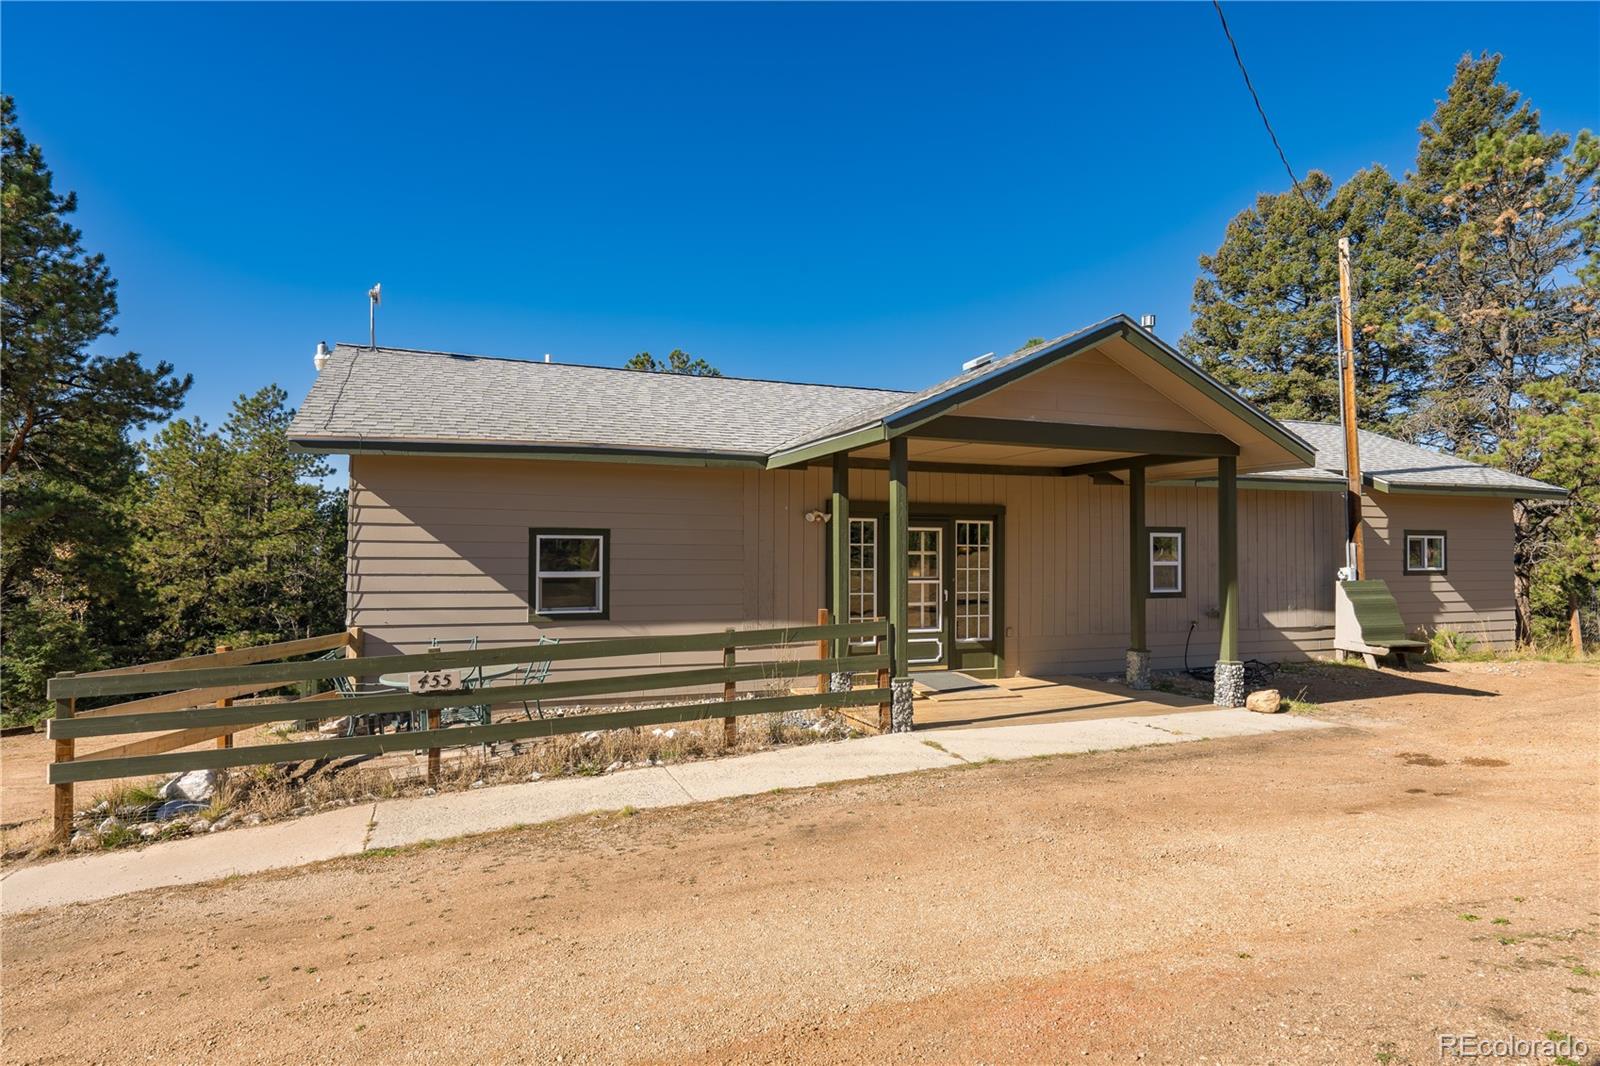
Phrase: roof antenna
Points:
(374, 298)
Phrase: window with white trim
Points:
(569, 572)
(1425, 552)
(974, 579)
(863, 570)
(1166, 562)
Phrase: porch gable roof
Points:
(901, 414)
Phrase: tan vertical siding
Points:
(439, 547)
(1476, 595)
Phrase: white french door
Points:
(925, 594)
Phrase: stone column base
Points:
(843, 681)
(1228, 685)
(1137, 673)
(900, 705)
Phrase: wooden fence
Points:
(203, 709)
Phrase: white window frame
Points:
(1177, 534)
(1444, 561)
(600, 609)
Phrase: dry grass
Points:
(266, 793)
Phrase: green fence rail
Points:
(67, 686)
(66, 728)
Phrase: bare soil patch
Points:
(1298, 897)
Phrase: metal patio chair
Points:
(473, 714)
(348, 689)
(535, 674)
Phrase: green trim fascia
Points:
(564, 453)
(952, 468)
(1029, 433)
(1254, 484)
(1385, 485)
(841, 442)
(1130, 462)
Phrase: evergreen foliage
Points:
(68, 597)
(1476, 287)
(678, 362)
(112, 553)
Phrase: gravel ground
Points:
(1326, 896)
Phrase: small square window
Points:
(1425, 552)
(568, 573)
(1166, 562)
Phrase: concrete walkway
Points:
(395, 823)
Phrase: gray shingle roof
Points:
(1401, 465)
(395, 396)
(399, 394)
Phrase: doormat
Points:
(949, 681)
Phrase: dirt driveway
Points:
(1321, 896)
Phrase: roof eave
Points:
(1515, 492)
(478, 449)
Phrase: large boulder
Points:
(1264, 701)
(198, 786)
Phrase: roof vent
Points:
(320, 360)
(978, 360)
(1147, 323)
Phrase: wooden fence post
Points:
(824, 650)
(730, 692)
(64, 750)
(435, 720)
(226, 740)
(354, 647)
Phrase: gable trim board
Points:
(707, 487)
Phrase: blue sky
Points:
(861, 194)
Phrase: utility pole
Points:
(1347, 393)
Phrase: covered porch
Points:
(1045, 701)
(1112, 407)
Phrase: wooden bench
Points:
(1367, 623)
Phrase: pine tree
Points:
(238, 541)
(1266, 301)
(1508, 283)
(678, 362)
(67, 465)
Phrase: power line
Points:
(1237, 58)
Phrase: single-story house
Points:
(1081, 505)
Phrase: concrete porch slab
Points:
(1055, 738)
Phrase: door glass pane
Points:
(974, 606)
(863, 570)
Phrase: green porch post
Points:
(1137, 673)
(1228, 687)
(839, 533)
(899, 541)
